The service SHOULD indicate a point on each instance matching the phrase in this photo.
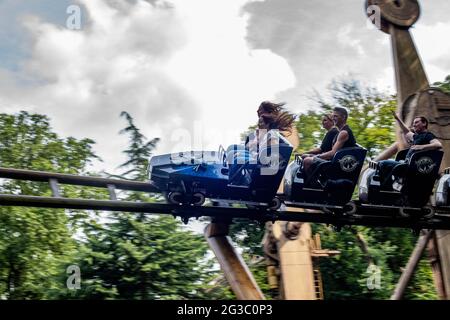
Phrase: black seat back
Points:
(347, 164)
(272, 163)
(421, 175)
(425, 164)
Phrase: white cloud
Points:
(344, 37)
(200, 65)
(227, 79)
(180, 66)
(434, 48)
(324, 40)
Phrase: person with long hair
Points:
(273, 116)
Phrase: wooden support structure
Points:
(435, 261)
(234, 268)
(295, 262)
(415, 97)
(411, 266)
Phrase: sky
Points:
(192, 72)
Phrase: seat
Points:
(239, 162)
(345, 165)
(425, 163)
(421, 164)
(236, 154)
(271, 164)
(416, 177)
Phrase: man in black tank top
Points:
(344, 139)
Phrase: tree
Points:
(135, 256)
(36, 244)
(444, 85)
(345, 276)
(138, 152)
(370, 116)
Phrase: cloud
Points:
(323, 40)
(226, 77)
(84, 79)
(434, 50)
(169, 64)
(176, 67)
(196, 69)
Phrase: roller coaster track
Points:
(374, 216)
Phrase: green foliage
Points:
(444, 85)
(345, 276)
(309, 128)
(248, 237)
(138, 152)
(36, 244)
(27, 141)
(121, 255)
(142, 258)
(370, 117)
(137, 256)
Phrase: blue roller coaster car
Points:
(407, 186)
(236, 175)
(331, 184)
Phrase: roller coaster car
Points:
(236, 176)
(330, 186)
(409, 185)
(442, 190)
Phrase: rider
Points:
(420, 140)
(271, 116)
(327, 142)
(344, 139)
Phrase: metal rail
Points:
(71, 179)
(364, 215)
(227, 213)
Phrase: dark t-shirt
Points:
(423, 138)
(420, 139)
(351, 141)
(327, 142)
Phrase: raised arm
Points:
(406, 132)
